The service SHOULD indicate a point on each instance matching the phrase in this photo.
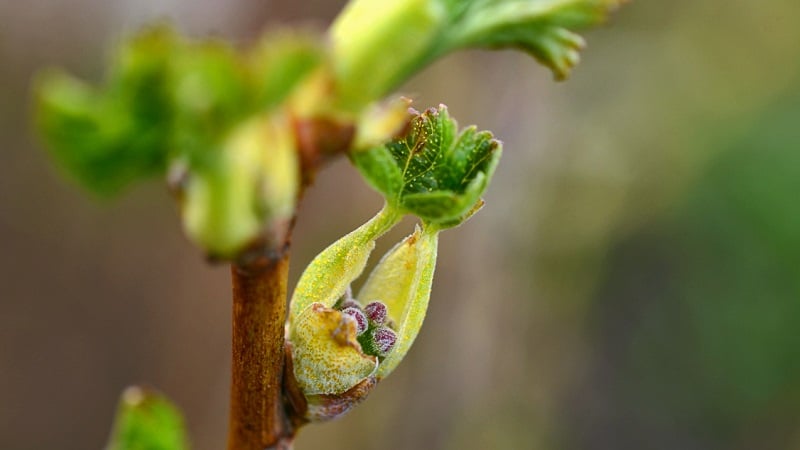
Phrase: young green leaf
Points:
(433, 172)
(110, 136)
(147, 421)
(539, 27)
(378, 45)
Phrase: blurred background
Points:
(632, 283)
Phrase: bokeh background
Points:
(632, 283)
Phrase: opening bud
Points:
(376, 312)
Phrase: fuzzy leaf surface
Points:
(433, 172)
(543, 28)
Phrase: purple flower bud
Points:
(349, 303)
(383, 339)
(361, 319)
(376, 312)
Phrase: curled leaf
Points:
(542, 28)
(433, 172)
(326, 355)
(402, 280)
(329, 274)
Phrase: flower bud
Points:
(350, 303)
(339, 350)
(379, 341)
(361, 319)
(376, 312)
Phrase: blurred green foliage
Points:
(147, 421)
(164, 98)
(710, 296)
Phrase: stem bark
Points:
(257, 416)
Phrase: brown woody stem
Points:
(257, 417)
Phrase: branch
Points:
(257, 417)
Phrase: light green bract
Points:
(402, 280)
(329, 274)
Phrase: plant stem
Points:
(257, 417)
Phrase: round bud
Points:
(383, 339)
(360, 318)
(349, 303)
(376, 312)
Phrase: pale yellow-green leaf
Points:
(281, 169)
(402, 280)
(326, 356)
(330, 273)
(378, 44)
(381, 123)
(252, 181)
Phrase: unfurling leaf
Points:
(211, 114)
(433, 172)
(107, 137)
(377, 45)
(542, 28)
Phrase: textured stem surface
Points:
(257, 417)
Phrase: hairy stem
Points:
(257, 417)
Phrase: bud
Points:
(339, 350)
(350, 303)
(361, 319)
(251, 185)
(378, 341)
(377, 44)
(376, 312)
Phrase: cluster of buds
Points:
(340, 348)
(375, 332)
